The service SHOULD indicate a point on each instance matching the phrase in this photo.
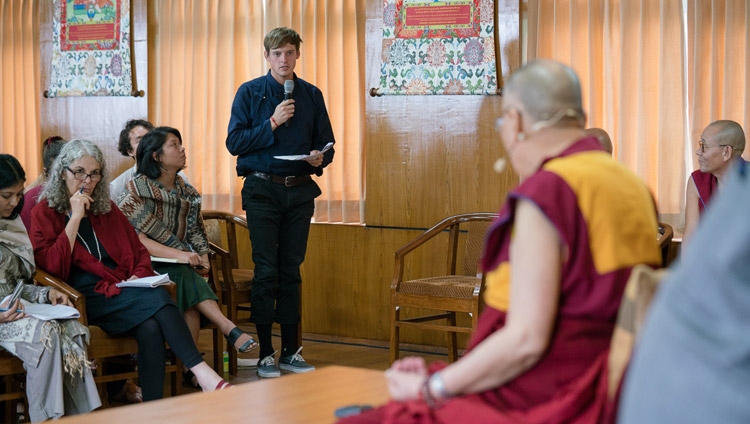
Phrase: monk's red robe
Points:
(707, 185)
(606, 221)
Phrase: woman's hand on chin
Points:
(79, 204)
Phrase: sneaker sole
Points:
(268, 374)
(290, 368)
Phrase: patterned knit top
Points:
(170, 217)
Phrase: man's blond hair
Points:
(279, 37)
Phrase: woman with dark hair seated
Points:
(51, 147)
(166, 213)
(79, 236)
(58, 377)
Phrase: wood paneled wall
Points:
(427, 157)
(98, 119)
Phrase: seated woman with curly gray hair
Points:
(79, 236)
(166, 213)
(58, 378)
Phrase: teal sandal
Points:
(235, 334)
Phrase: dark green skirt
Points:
(191, 287)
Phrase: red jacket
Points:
(52, 247)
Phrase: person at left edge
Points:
(278, 195)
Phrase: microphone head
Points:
(288, 86)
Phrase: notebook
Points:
(148, 282)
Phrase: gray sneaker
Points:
(267, 367)
(295, 363)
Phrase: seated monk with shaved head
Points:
(720, 147)
(556, 262)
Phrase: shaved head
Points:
(544, 89)
(602, 136)
(729, 133)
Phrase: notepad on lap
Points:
(46, 312)
(148, 282)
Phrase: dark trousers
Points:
(278, 219)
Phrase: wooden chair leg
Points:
(452, 342)
(176, 379)
(395, 316)
(10, 404)
(218, 350)
(233, 368)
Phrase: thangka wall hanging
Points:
(438, 47)
(91, 48)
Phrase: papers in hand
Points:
(148, 282)
(168, 260)
(305, 157)
(46, 312)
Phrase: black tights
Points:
(165, 325)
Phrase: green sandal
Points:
(235, 334)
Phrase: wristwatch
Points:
(437, 386)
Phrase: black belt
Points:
(290, 181)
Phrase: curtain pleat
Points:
(19, 85)
(629, 56)
(718, 64)
(201, 51)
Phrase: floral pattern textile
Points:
(438, 59)
(99, 67)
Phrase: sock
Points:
(288, 339)
(264, 338)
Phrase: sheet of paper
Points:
(168, 260)
(305, 157)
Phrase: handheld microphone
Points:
(288, 90)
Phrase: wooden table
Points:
(310, 398)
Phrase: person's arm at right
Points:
(157, 249)
(692, 213)
(246, 133)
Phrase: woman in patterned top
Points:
(53, 352)
(166, 215)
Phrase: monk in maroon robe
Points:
(556, 262)
(720, 147)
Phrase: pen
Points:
(6, 309)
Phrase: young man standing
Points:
(276, 115)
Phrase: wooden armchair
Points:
(665, 240)
(104, 347)
(450, 293)
(231, 282)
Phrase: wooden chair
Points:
(665, 240)
(11, 369)
(233, 283)
(450, 293)
(104, 347)
(639, 291)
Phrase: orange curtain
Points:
(201, 51)
(19, 87)
(718, 65)
(630, 58)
